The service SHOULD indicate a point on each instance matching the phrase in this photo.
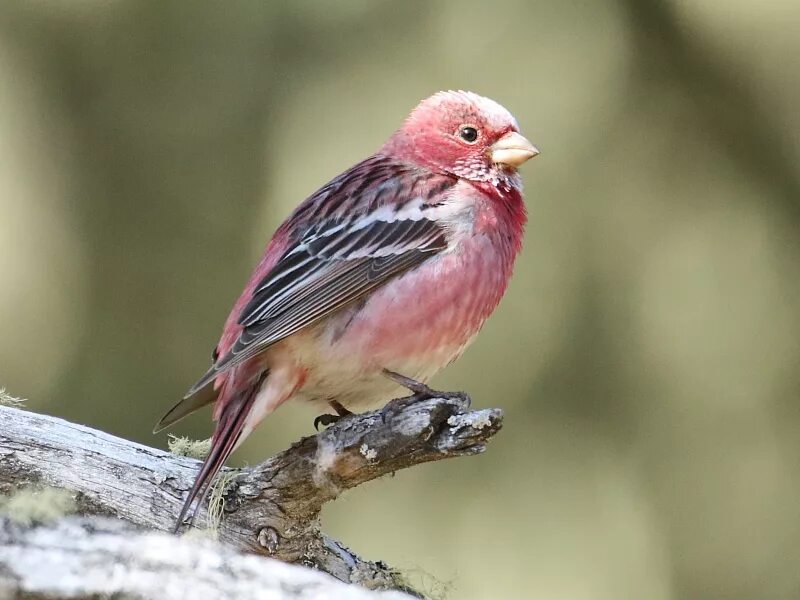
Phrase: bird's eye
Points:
(468, 134)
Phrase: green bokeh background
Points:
(646, 353)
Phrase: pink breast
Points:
(432, 312)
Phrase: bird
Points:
(376, 281)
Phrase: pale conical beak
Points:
(512, 150)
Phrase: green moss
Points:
(216, 499)
(183, 446)
(216, 506)
(27, 506)
(7, 399)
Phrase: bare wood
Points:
(271, 508)
(93, 557)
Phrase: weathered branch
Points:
(88, 558)
(271, 508)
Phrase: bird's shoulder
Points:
(377, 220)
(380, 186)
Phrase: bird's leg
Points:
(420, 391)
(327, 419)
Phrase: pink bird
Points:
(391, 268)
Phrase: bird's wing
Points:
(187, 406)
(339, 259)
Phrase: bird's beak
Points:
(512, 150)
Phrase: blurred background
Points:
(646, 353)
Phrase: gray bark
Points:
(271, 508)
(90, 558)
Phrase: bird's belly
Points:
(414, 325)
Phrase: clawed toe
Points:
(325, 420)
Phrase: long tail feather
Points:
(223, 443)
(187, 406)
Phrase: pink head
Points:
(462, 134)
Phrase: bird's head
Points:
(462, 134)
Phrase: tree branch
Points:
(271, 508)
(88, 558)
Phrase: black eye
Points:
(468, 134)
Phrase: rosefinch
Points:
(392, 266)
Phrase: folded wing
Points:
(336, 262)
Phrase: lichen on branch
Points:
(271, 508)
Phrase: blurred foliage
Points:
(646, 353)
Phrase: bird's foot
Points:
(327, 419)
(420, 392)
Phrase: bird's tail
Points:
(224, 441)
